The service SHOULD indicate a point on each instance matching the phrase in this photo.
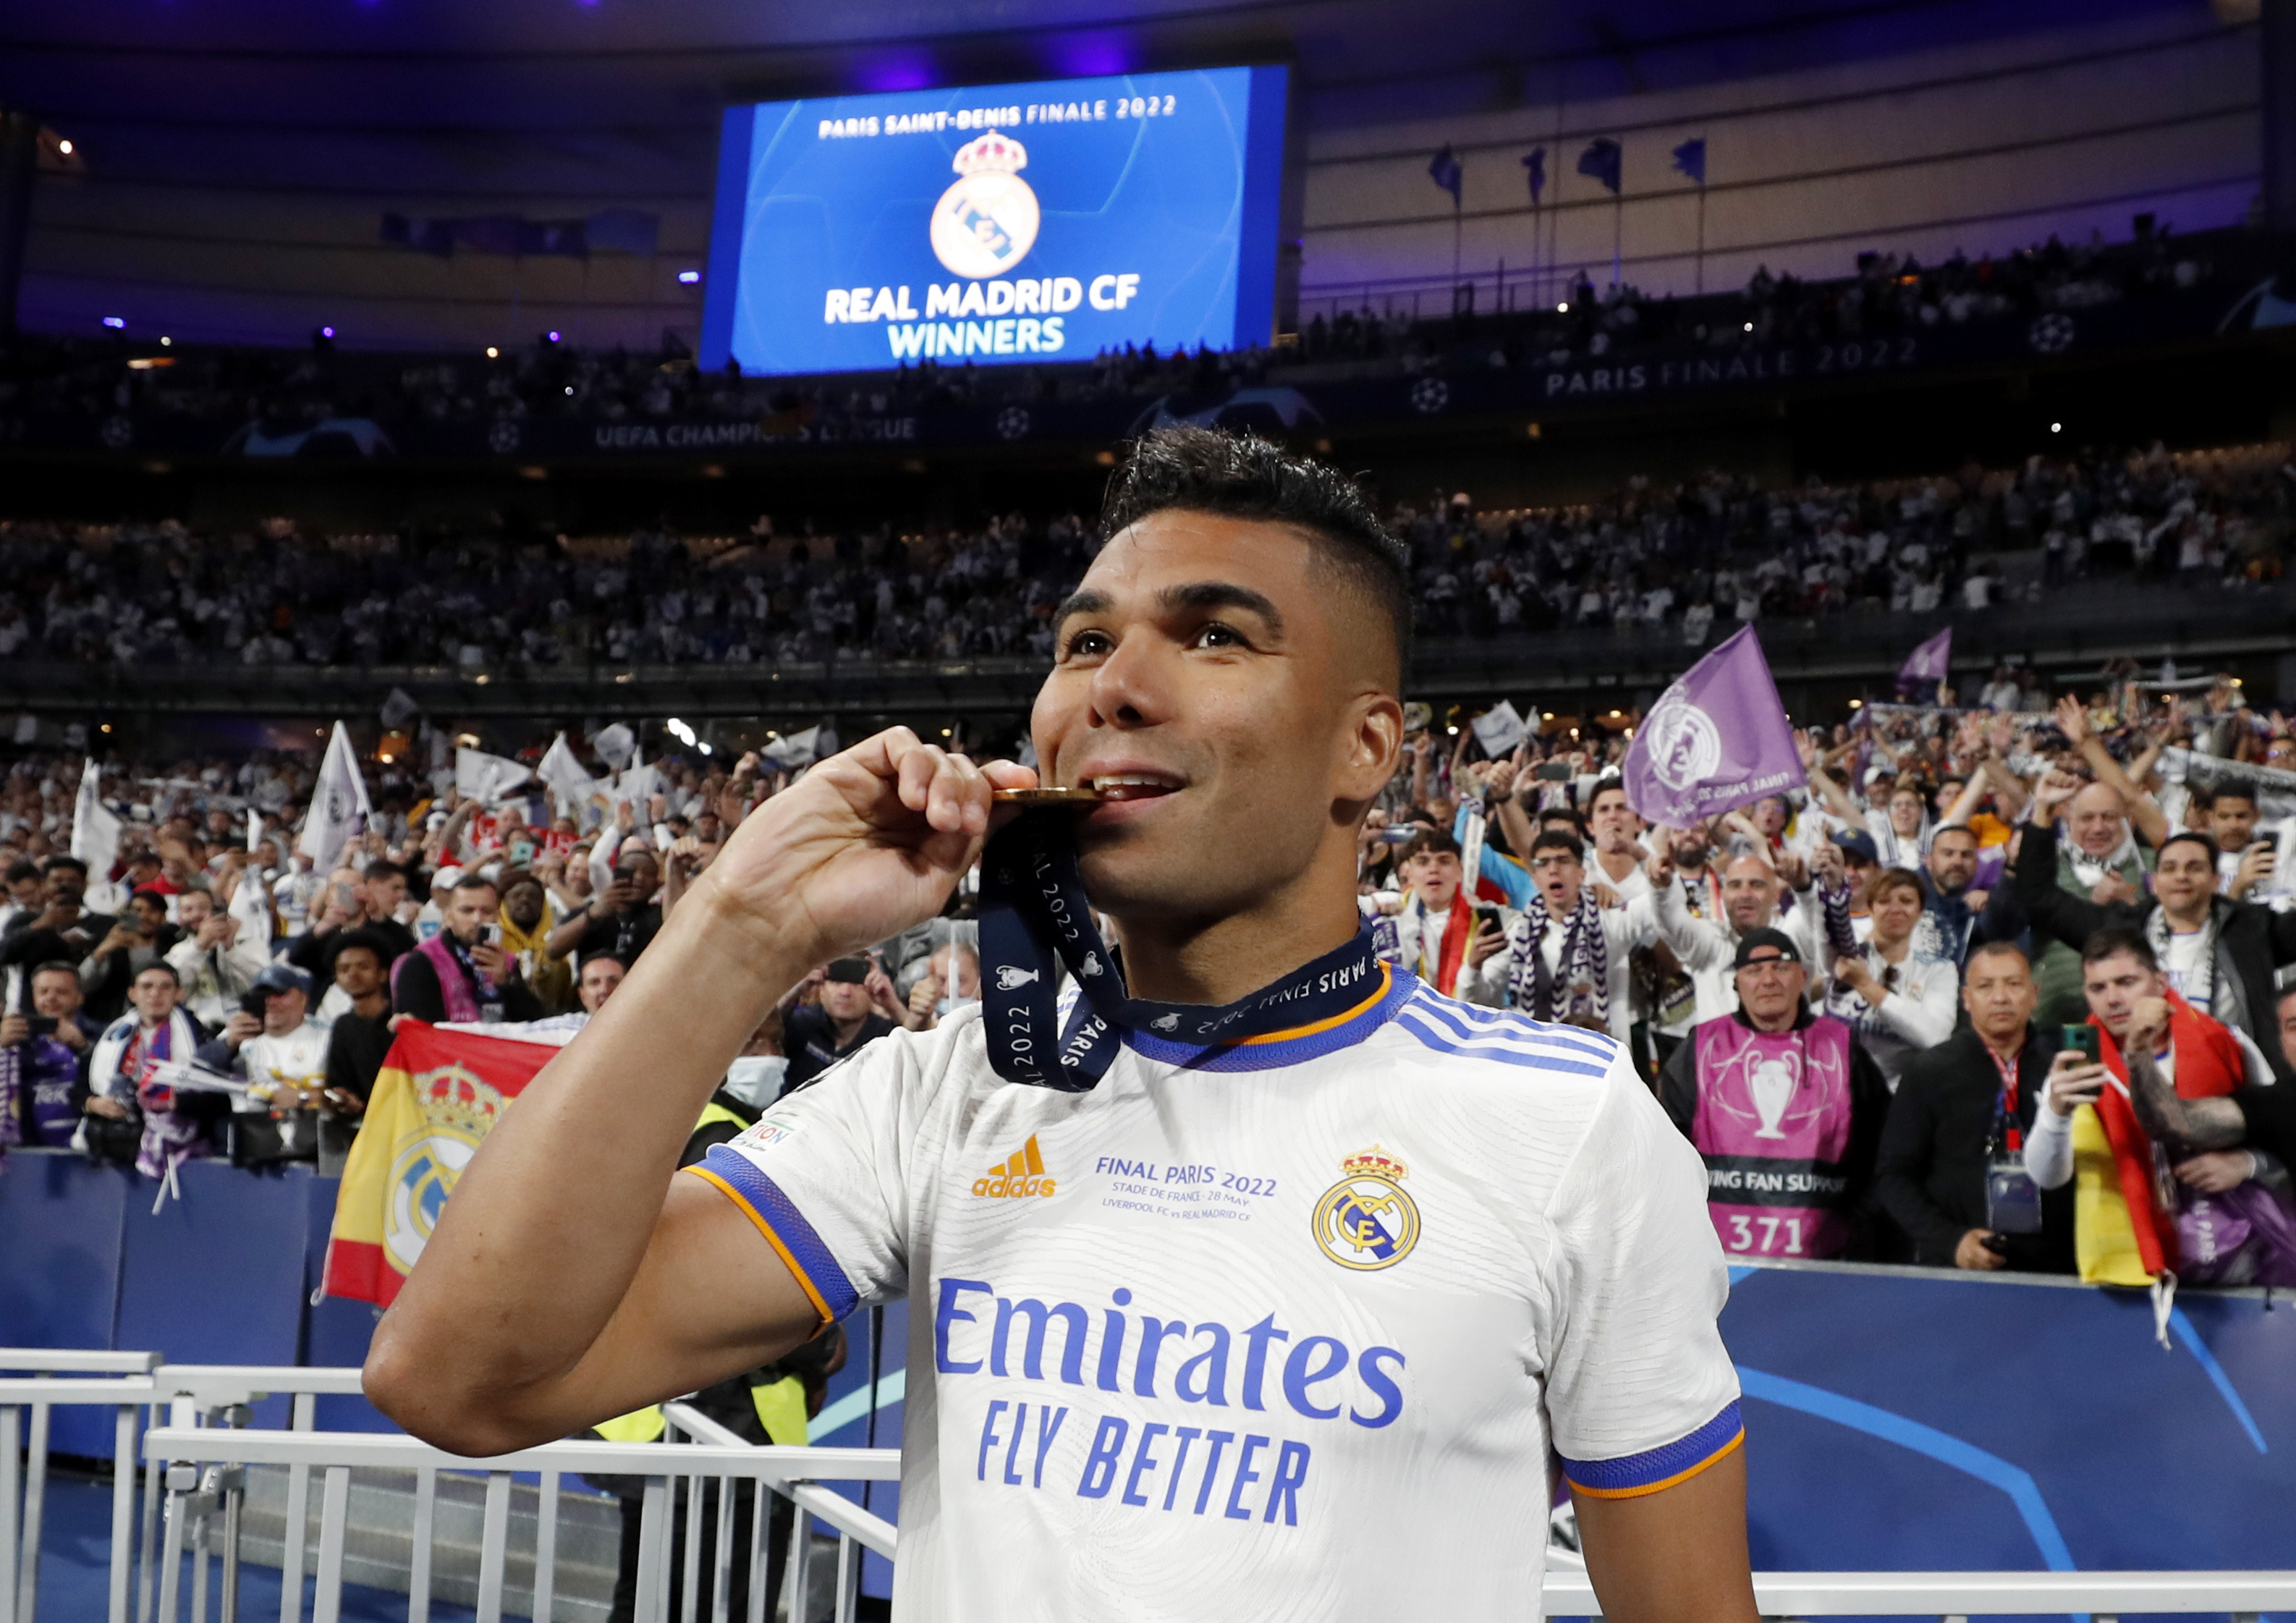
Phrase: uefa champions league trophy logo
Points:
(987, 222)
(1771, 1087)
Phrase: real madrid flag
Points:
(437, 1094)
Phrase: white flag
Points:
(95, 837)
(250, 904)
(339, 804)
(615, 745)
(486, 778)
(793, 749)
(254, 828)
(638, 783)
(1500, 730)
(1471, 858)
(563, 774)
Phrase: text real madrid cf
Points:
(1206, 1456)
(1023, 316)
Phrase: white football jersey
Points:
(1284, 1329)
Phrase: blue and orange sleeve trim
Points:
(1655, 1470)
(785, 1229)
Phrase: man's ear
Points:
(1372, 748)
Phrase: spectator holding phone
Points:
(1898, 999)
(1440, 936)
(1566, 955)
(140, 935)
(1951, 1170)
(622, 918)
(820, 1034)
(368, 901)
(215, 965)
(44, 1059)
(462, 973)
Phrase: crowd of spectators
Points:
(1862, 1000)
(552, 377)
(1649, 558)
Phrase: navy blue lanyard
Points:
(1035, 917)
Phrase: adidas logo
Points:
(1023, 1176)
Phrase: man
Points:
(1439, 935)
(23, 900)
(460, 973)
(1227, 674)
(821, 1034)
(622, 918)
(601, 972)
(63, 928)
(368, 901)
(526, 924)
(1618, 854)
(2150, 1041)
(360, 1038)
(1861, 860)
(1751, 889)
(2219, 955)
(2099, 858)
(1951, 909)
(140, 935)
(1566, 957)
(44, 1058)
(1786, 1109)
(951, 980)
(284, 1056)
(2228, 815)
(214, 964)
(1961, 1112)
(126, 1084)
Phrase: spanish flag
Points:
(437, 1094)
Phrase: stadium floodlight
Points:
(166, 342)
(679, 731)
(2056, 428)
(553, 335)
(689, 277)
(115, 322)
(64, 147)
(492, 353)
(1564, 309)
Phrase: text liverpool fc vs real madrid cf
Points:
(1195, 1190)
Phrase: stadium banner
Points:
(993, 224)
(437, 1094)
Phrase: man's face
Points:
(2114, 987)
(1953, 860)
(2231, 822)
(1770, 987)
(958, 970)
(1770, 817)
(358, 972)
(1906, 812)
(600, 977)
(844, 999)
(1613, 821)
(25, 891)
(468, 911)
(1999, 994)
(1558, 874)
(524, 905)
(644, 874)
(193, 908)
(150, 913)
(2097, 821)
(384, 892)
(1242, 698)
(2184, 878)
(153, 994)
(282, 1011)
(65, 885)
(55, 994)
(1433, 877)
(1947, 792)
(1750, 893)
(2288, 1027)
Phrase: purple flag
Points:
(1928, 662)
(1718, 739)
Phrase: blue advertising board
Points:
(996, 224)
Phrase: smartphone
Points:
(1395, 834)
(2082, 1039)
(1487, 915)
(1553, 772)
(42, 1025)
(491, 934)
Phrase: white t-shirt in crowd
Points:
(1249, 1332)
(2181, 968)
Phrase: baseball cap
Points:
(853, 971)
(1754, 940)
(281, 977)
(1858, 844)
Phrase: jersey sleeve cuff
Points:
(777, 1218)
(1656, 1468)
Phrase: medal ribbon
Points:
(1035, 917)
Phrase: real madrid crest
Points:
(987, 222)
(1366, 1221)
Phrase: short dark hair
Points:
(1943, 829)
(21, 869)
(2224, 789)
(1426, 842)
(350, 940)
(1241, 476)
(2114, 940)
(476, 880)
(1556, 840)
(1894, 879)
(53, 966)
(63, 860)
(1997, 949)
(160, 965)
(2190, 836)
(383, 867)
(1603, 786)
(145, 893)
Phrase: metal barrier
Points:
(198, 1460)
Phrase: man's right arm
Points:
(573, 1276)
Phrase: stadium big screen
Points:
(1006, 223)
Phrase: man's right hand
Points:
(239, 1027)
(1973, 1254)
(14, 1028)
(866, 844)
(110, 1109)
(2074, 1080)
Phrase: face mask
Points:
(755, 1078)
(948, 1005)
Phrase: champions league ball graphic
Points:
(987, 222)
